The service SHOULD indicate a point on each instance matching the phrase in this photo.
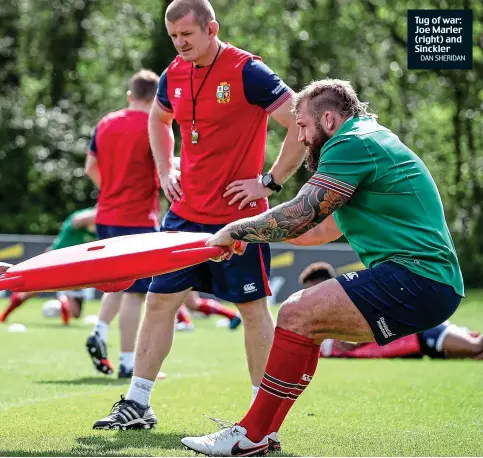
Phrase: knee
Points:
(163, 303)
(293, 315)
(154, 303)
(254, 311)
(477, 346)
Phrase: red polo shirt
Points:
(129, 184)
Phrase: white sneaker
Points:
(227, 442)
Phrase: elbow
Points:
(151, 122)
(307, 239)
(90, 168)
(93, 174)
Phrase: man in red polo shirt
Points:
(121, 164)
(221, 98)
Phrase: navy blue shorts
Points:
(397, 302)
(239, 280)
(106, 232)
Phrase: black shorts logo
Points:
(386, 332)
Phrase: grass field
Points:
(50, 396)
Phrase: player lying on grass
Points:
(446, 340)
(79, 227)
(383, 199)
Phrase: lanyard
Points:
(194, 132)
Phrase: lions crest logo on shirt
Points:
(223, 92)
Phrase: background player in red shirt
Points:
(120, 163)
(221, 97)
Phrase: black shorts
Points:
(239, 280)
(397, 302)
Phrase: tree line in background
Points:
(65, 63)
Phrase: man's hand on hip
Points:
(247, 191)
(171, 185)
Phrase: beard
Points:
(312, 152)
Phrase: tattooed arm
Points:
(311, 207)
(289, 220)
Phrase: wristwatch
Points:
(269, 182)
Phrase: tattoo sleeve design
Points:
(289, 220)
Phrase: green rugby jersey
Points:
(70, 236)
(395, 211)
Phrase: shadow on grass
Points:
(32, 453)
(86, 381)
(111, 443)
(120, 443)
(122, 440)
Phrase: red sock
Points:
(286, 365)
(183, 316)
(15, 301)
(64, 310)
(303, 383)
(211, 307)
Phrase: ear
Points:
(129, 96)
(213, 29)
(324, 120)
(329, 120)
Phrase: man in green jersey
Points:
(375, 191)
(79, 227)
